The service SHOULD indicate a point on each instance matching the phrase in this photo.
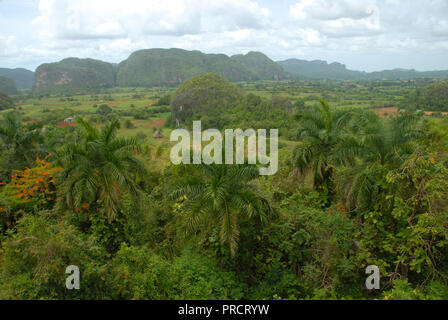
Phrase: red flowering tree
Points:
(32, 187)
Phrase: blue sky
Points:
(365, 35)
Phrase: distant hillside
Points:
(23, 78)
(8, 86)
(260, 66)
(5, 101)
(171, 67)
(318, 69)
(72, 75)
(156, 67)
(402, 74)
(433, 97)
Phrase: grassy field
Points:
(384, 98)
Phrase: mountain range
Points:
(72, 74)
(22, 78)
(170, 67)
(8, 86)
(318, 69)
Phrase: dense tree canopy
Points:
(5, 101)
(206, 97)
(357, 185)
(433, 97)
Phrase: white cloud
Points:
(338, 18)
(104, 19)
(364, 34)
(333, 9)
(8, 46)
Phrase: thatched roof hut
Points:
(158, 134)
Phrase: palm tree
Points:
(22, 143)
(100, 167)
(382, 145)
(221, 198)
(325, 143)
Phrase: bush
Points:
(164, 101)
(104, 109)
(128, 124)
(33, 261)
(139, 273)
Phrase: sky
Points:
(367, 35)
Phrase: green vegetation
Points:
(156, 67)
(104, 109)
(21, 145)
(220, 199)
(5, 101)
(7, 86)
(73, 75)
(361, 181)
(318, 69)
(22, 78)
(433, 97)
(149, 68)
(170, 67)
(204, 97)
(261, 66)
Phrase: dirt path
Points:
(159, 123)
(382, 112)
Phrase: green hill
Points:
(23, 78)
(73, 75)
(403, 74)
(260, 66)
(5, 101)
(226, 67)
(205, 97)
(318, 69)
(432, 98)
(159, 67)
(171, 67)
(155, 67)
(8, 86)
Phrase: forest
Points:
(86, 180)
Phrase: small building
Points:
(158, 135)
(68, 122)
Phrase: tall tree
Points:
(100, 167)
(382, 145)
(20, 144)
(222, 197)
(324, 143)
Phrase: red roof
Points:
(66, 124)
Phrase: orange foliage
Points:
(34, 185)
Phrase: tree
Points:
(324, 144)
(20, 145)
(381, 146)
(104, 109)
(164, 101)
(221, 197)
(99, 167)
(204, 95)
(5, 101)
(34, 186)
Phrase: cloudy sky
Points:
(363, 34)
